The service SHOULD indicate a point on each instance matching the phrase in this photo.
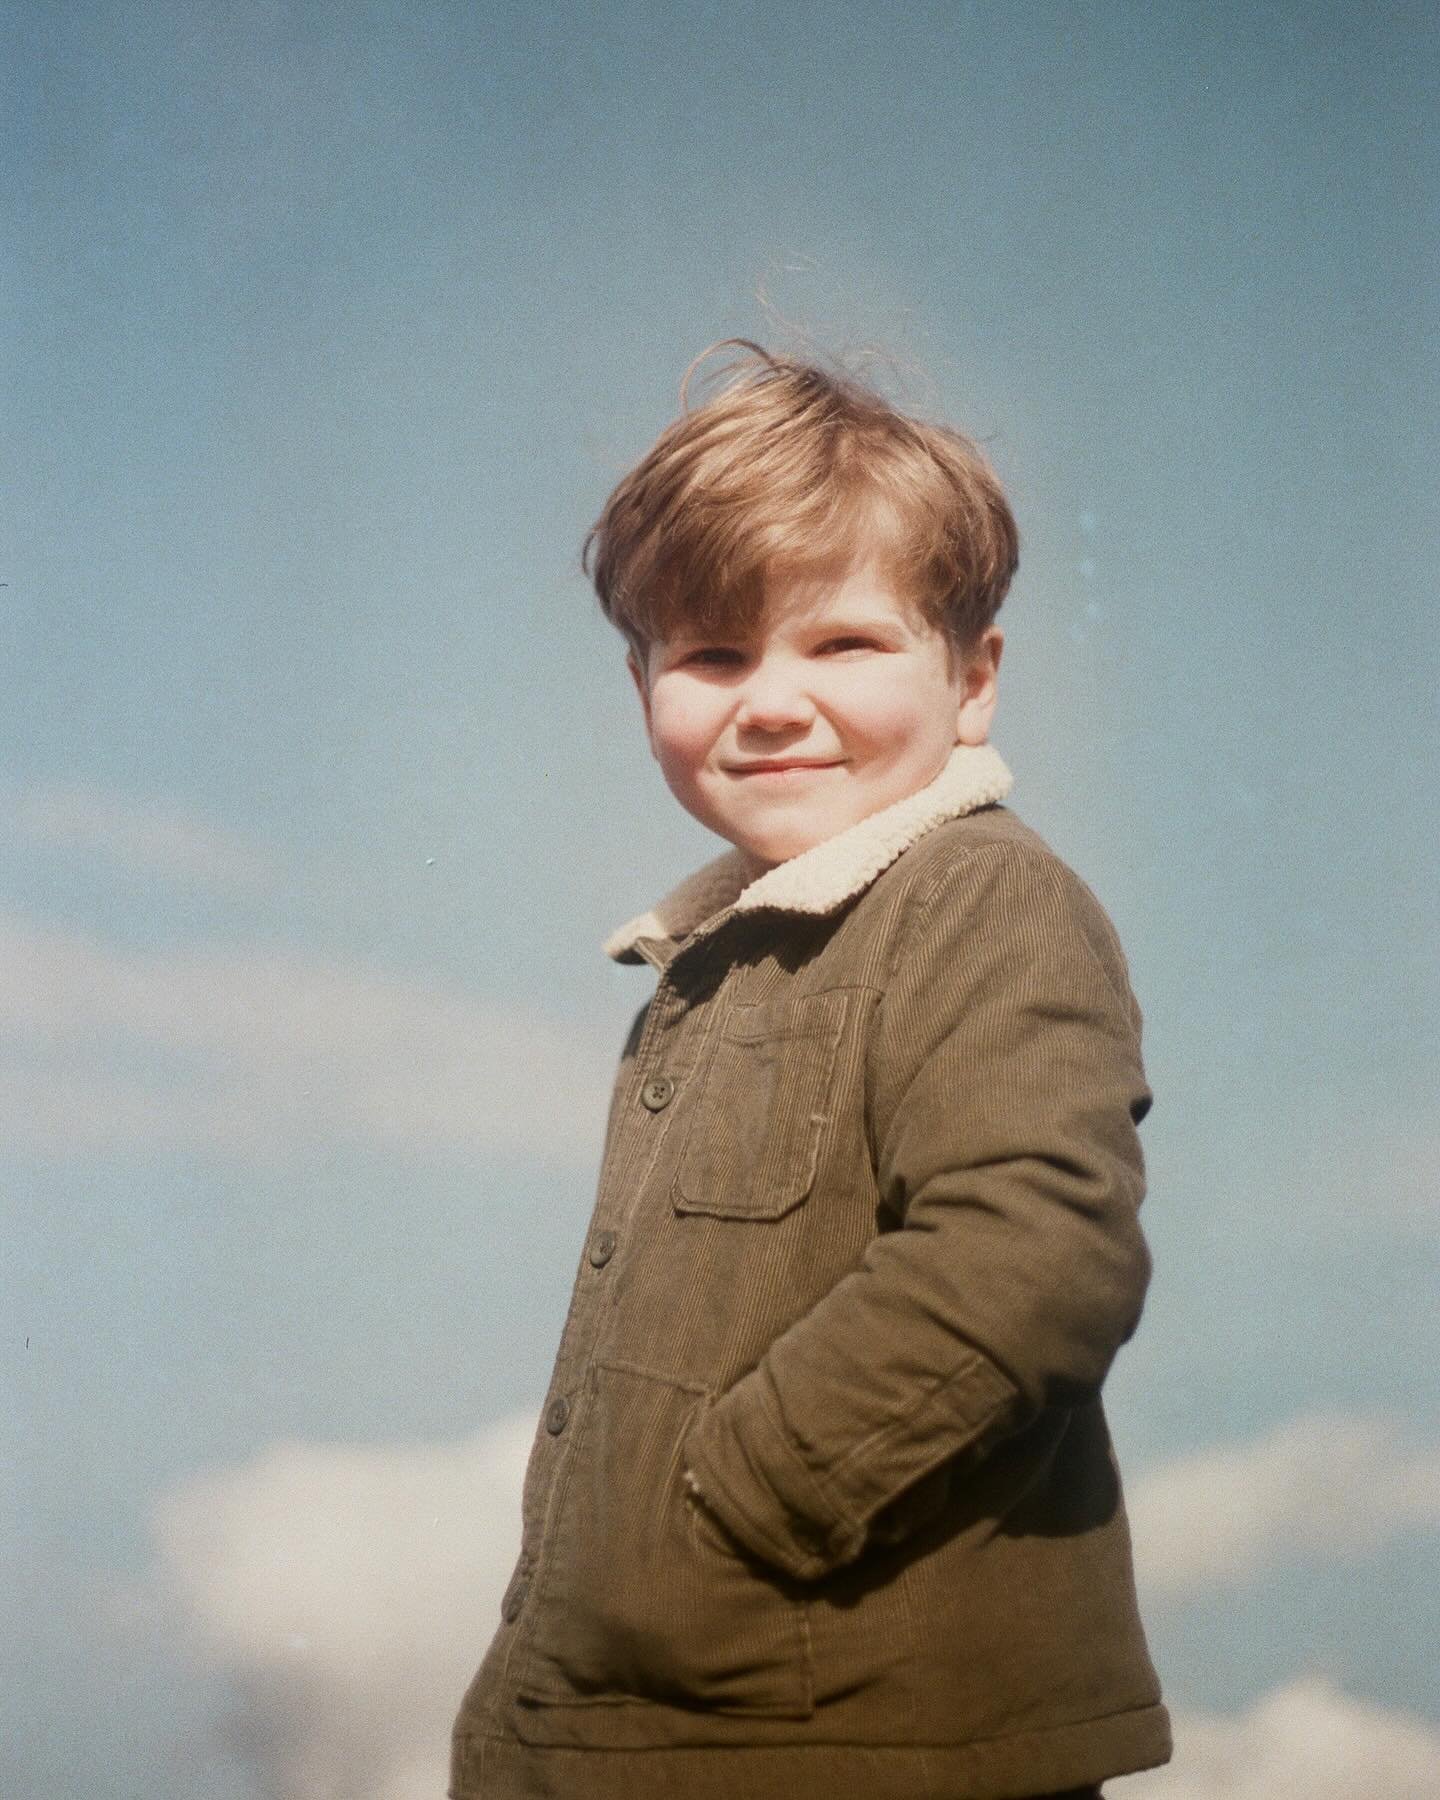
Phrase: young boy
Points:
(822, 1501)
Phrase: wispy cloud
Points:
(138, 835)
(1318, 1485)
(346, 1596)
(1304, 1741)
(256, 1051)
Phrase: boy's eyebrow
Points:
(856, 617)
(858, 620)
(859, 617)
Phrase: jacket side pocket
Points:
(630, 1601)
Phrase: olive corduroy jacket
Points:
(822, 1500)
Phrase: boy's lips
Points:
(783, 765)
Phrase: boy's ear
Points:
(979, 688)
(637, 675)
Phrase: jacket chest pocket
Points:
(754, 1141)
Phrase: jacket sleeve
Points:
(1005, 1085)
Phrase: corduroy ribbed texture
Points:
(823, 1499)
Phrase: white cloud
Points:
(346, 1595)
(253, 1051)
(1319, 1485)
(143, 837)
(1304, 1741)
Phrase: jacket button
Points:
(602, 1248)
(514, 1600)
(657, 1093)
(557, 1415)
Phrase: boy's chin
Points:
(768, 852)
(766, 843)
(762, 847)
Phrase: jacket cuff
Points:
(765, 1496)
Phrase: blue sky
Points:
(327, 329)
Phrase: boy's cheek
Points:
(681, 779)
(679, 728)
(678, 762)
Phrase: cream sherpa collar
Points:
(825, 877)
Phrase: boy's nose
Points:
(771, 700)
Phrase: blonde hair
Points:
(791, 470)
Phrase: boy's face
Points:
(842, 702)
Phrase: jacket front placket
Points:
(686, 1010)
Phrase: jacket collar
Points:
(823, 878)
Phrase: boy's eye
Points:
(850, 642)
(712, 656)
